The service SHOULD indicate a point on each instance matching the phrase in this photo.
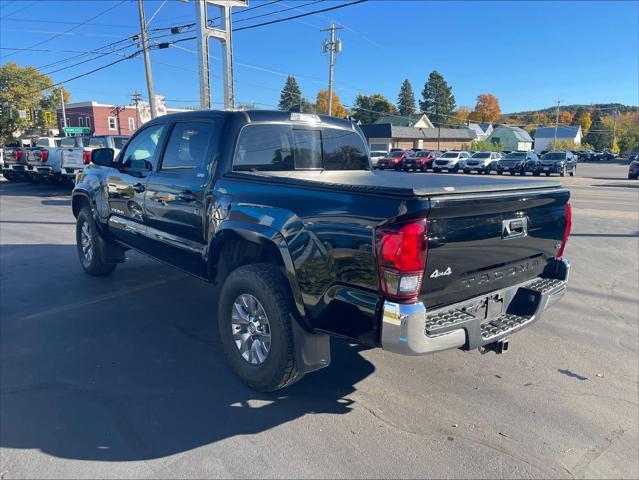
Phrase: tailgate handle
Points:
(514, 228)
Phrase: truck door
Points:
(126, 184)
(175, 200)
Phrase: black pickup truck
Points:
(283, 212)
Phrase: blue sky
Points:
(528, 54)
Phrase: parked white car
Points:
(450, 161)
(376, 155)
(481, 162)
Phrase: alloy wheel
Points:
(251, 329)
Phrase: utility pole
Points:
(614, 130)
(554, 141)
(147, 60)
(439, 122)
(332, 46)
(137, 98)
(64, 113)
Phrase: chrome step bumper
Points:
(410, 329)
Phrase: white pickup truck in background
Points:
(76, 157)
(44, 159)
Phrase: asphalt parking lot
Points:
(122, 376)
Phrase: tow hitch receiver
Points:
(500, 346)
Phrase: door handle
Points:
(186, 196)
(138, 187)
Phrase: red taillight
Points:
(86, 157)
(560, 253)
(44, 154)
(19, 154)
(402, 251)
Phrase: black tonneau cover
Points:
(398, 184)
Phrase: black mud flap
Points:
(312, 350)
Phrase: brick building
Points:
(102, 119)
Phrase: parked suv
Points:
(482, 162)
(450, 161)
(394, 160)
(555, 162)
(376, 156)
(422, 160)
(516, 162)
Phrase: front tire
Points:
(254, 321)
(90, 245)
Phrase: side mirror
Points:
(102, 156)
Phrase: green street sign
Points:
(76, 129)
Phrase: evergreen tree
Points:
(291, 95)
(438, 101)
(406, 99)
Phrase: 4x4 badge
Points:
(437, 273)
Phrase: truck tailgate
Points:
(486, 242)
(72, 157)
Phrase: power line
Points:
(328, 9)
(73, 28)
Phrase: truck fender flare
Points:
(263, 235)
(313, 350)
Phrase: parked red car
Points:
(422, 160)
(394, 160)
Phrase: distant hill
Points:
(603, 107)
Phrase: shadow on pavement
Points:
(128, 367)
(24, 189)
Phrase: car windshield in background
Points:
(120, 142)
(398, 153)
(482, 155)
(42, 142)
(422, 154)
(450, 155)
(97, 142)
(515, 156)
(554, 156)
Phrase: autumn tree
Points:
(406, 99)
(321, 104)
(462, 115)
(487, 109)
(368, 108)
(27, 89)
(437, 100)
(291, 95)
(565, 118)
(584, 120)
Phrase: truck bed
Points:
(397, 184)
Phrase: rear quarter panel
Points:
(330, 240)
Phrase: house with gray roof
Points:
(419, 120)
(482, 130)
(511, 138)
(386, 136)
(544, 136)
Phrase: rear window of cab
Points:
(286, 147)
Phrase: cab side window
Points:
(187, 146)
(344, 150)
(264, 148)
(141, 152)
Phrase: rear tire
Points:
(436, 170)
(500, 172)
(275, 367)
(90, 244)
(512, 172)
(424, 168)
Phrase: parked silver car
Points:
(482, 162)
